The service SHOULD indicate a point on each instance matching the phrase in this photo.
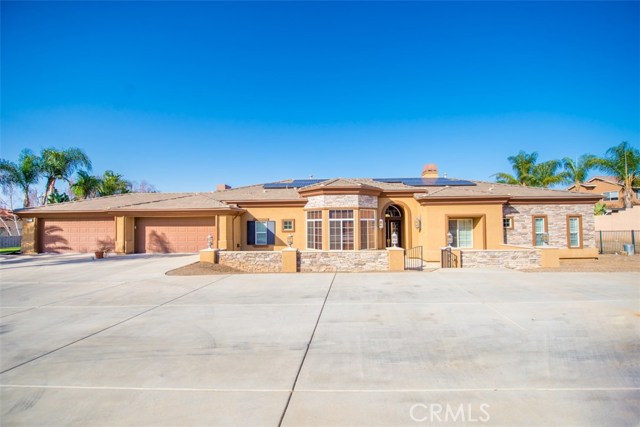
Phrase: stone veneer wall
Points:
(323, 261)
(342, 201)
(528, 258)
(522, 232)
(252, 261)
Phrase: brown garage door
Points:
(168, 235)
(76, 235)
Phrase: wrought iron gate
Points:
(448, 259)
(413, 259)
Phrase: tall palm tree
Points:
(23, 174)
(623, 162)
(522, 165)
(113, 183)
(577, 171)
(86, 186)
(546, 174)
(61, 164)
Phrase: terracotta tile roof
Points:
(606, 178)
(483, 188)
(182, 202)
(134, 201)
(256, 192)
(341, 183)
(226, 198)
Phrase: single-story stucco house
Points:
(319, 217)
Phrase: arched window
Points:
(393, 211)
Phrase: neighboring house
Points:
(323, 215)
(10, 224)
(610, 191)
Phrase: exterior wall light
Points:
(418, 223)
(380, 223)
(449, 238)
(290, 240)
(209, 241)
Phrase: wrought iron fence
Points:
(447, 258)
(613, 242)
(413, 259)
(10, 241)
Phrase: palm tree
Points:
(86, 186)
(24, 174)
(522, 164)
(113, 183)
(546, 174)
(60, 164)
(577, 171)
(623, 162)
(56, 197)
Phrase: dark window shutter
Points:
(271, 232)
(251, 232)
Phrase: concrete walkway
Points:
(115, 342)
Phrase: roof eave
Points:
(461, 200)
(584, 198)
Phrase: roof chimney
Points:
(222, 187)
(430, 171)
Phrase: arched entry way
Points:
(393, 222)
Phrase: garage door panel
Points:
(76, 235)
(173, 235)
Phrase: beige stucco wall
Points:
(487, 226)
(277, 214)
(628, 219)
(411, 210)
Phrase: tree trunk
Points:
(627, 191)
(25, 202)
(627, 198)
(6, 226)
(15, 222)
(51, 183)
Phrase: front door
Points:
(393, 225)
(393, 221)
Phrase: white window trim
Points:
(265, 232)
(544, 228)
(607, 196)
(341, 221)
(578, 221)
(306, 231)
(375, 234)
(457, 220)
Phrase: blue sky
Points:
(201, 93)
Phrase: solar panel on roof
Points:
(427, 182)
(296, 183)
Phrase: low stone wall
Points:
(321, 261)
(252, 262)
(514, 259)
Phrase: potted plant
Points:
(104, 247)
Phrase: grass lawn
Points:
(10, 250)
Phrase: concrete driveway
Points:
(115, 342)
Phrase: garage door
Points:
(168, 235)
(76, 235)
